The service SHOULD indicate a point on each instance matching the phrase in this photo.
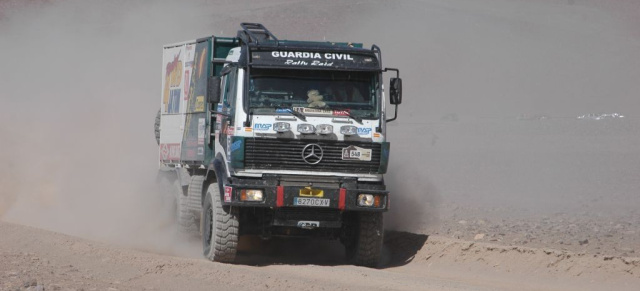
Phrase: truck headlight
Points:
(306, 128)
(348, 130)
(251, 195)
(281, 126)
(324, 129)
(369, 200)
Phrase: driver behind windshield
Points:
(343, 92)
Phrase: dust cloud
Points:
(80, 81)
(492, 91)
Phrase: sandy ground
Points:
(34, 258)
(562, 183)
(469, 236)
(507, 203)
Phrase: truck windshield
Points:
(314, 92)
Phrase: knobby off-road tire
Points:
(220, 228)
(366, 245)
(157, 127)
(187, 222)
(194, 196)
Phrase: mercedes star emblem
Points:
(312, 154)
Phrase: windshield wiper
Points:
(293, 112)
(357, 119)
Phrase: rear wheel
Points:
(220, 228)
(364, 247)
(186, 219)
(157, 127)
(194, 196)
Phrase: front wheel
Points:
(364, 247)
(220, 228)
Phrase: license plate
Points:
(313, 202)
(356, 153)
(308, 224)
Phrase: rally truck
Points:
(266, 137)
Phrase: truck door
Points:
(225, 121)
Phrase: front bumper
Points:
(280, 196)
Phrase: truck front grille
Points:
(286, 154)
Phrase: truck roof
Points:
(263, 49)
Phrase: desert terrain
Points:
(496, 184)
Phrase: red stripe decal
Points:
(280, 196)
(342, 199)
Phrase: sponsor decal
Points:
(170, 151)
(188, 65)
(187, 76)
(304, 63)
(164, 152)
(364, 131)
(199, 104)
(306, 110)
(236, 145)
(227, 193)
(344, 112)
(174, 101)
(315, 59)
(354, 153)
(173, 80)
(201, 125)
(200, 62)
(310, 192)
(262, 126)
(310, 55)
(283, 110)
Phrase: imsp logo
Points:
(364, 131)
(262, 126)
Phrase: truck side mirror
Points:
(213, 90)
(395, 91)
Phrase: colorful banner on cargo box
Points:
(195, 134)
(172, 82)
(316, 60)
(172, 103)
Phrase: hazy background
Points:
(80, 82)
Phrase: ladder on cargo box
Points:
(254, 33)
